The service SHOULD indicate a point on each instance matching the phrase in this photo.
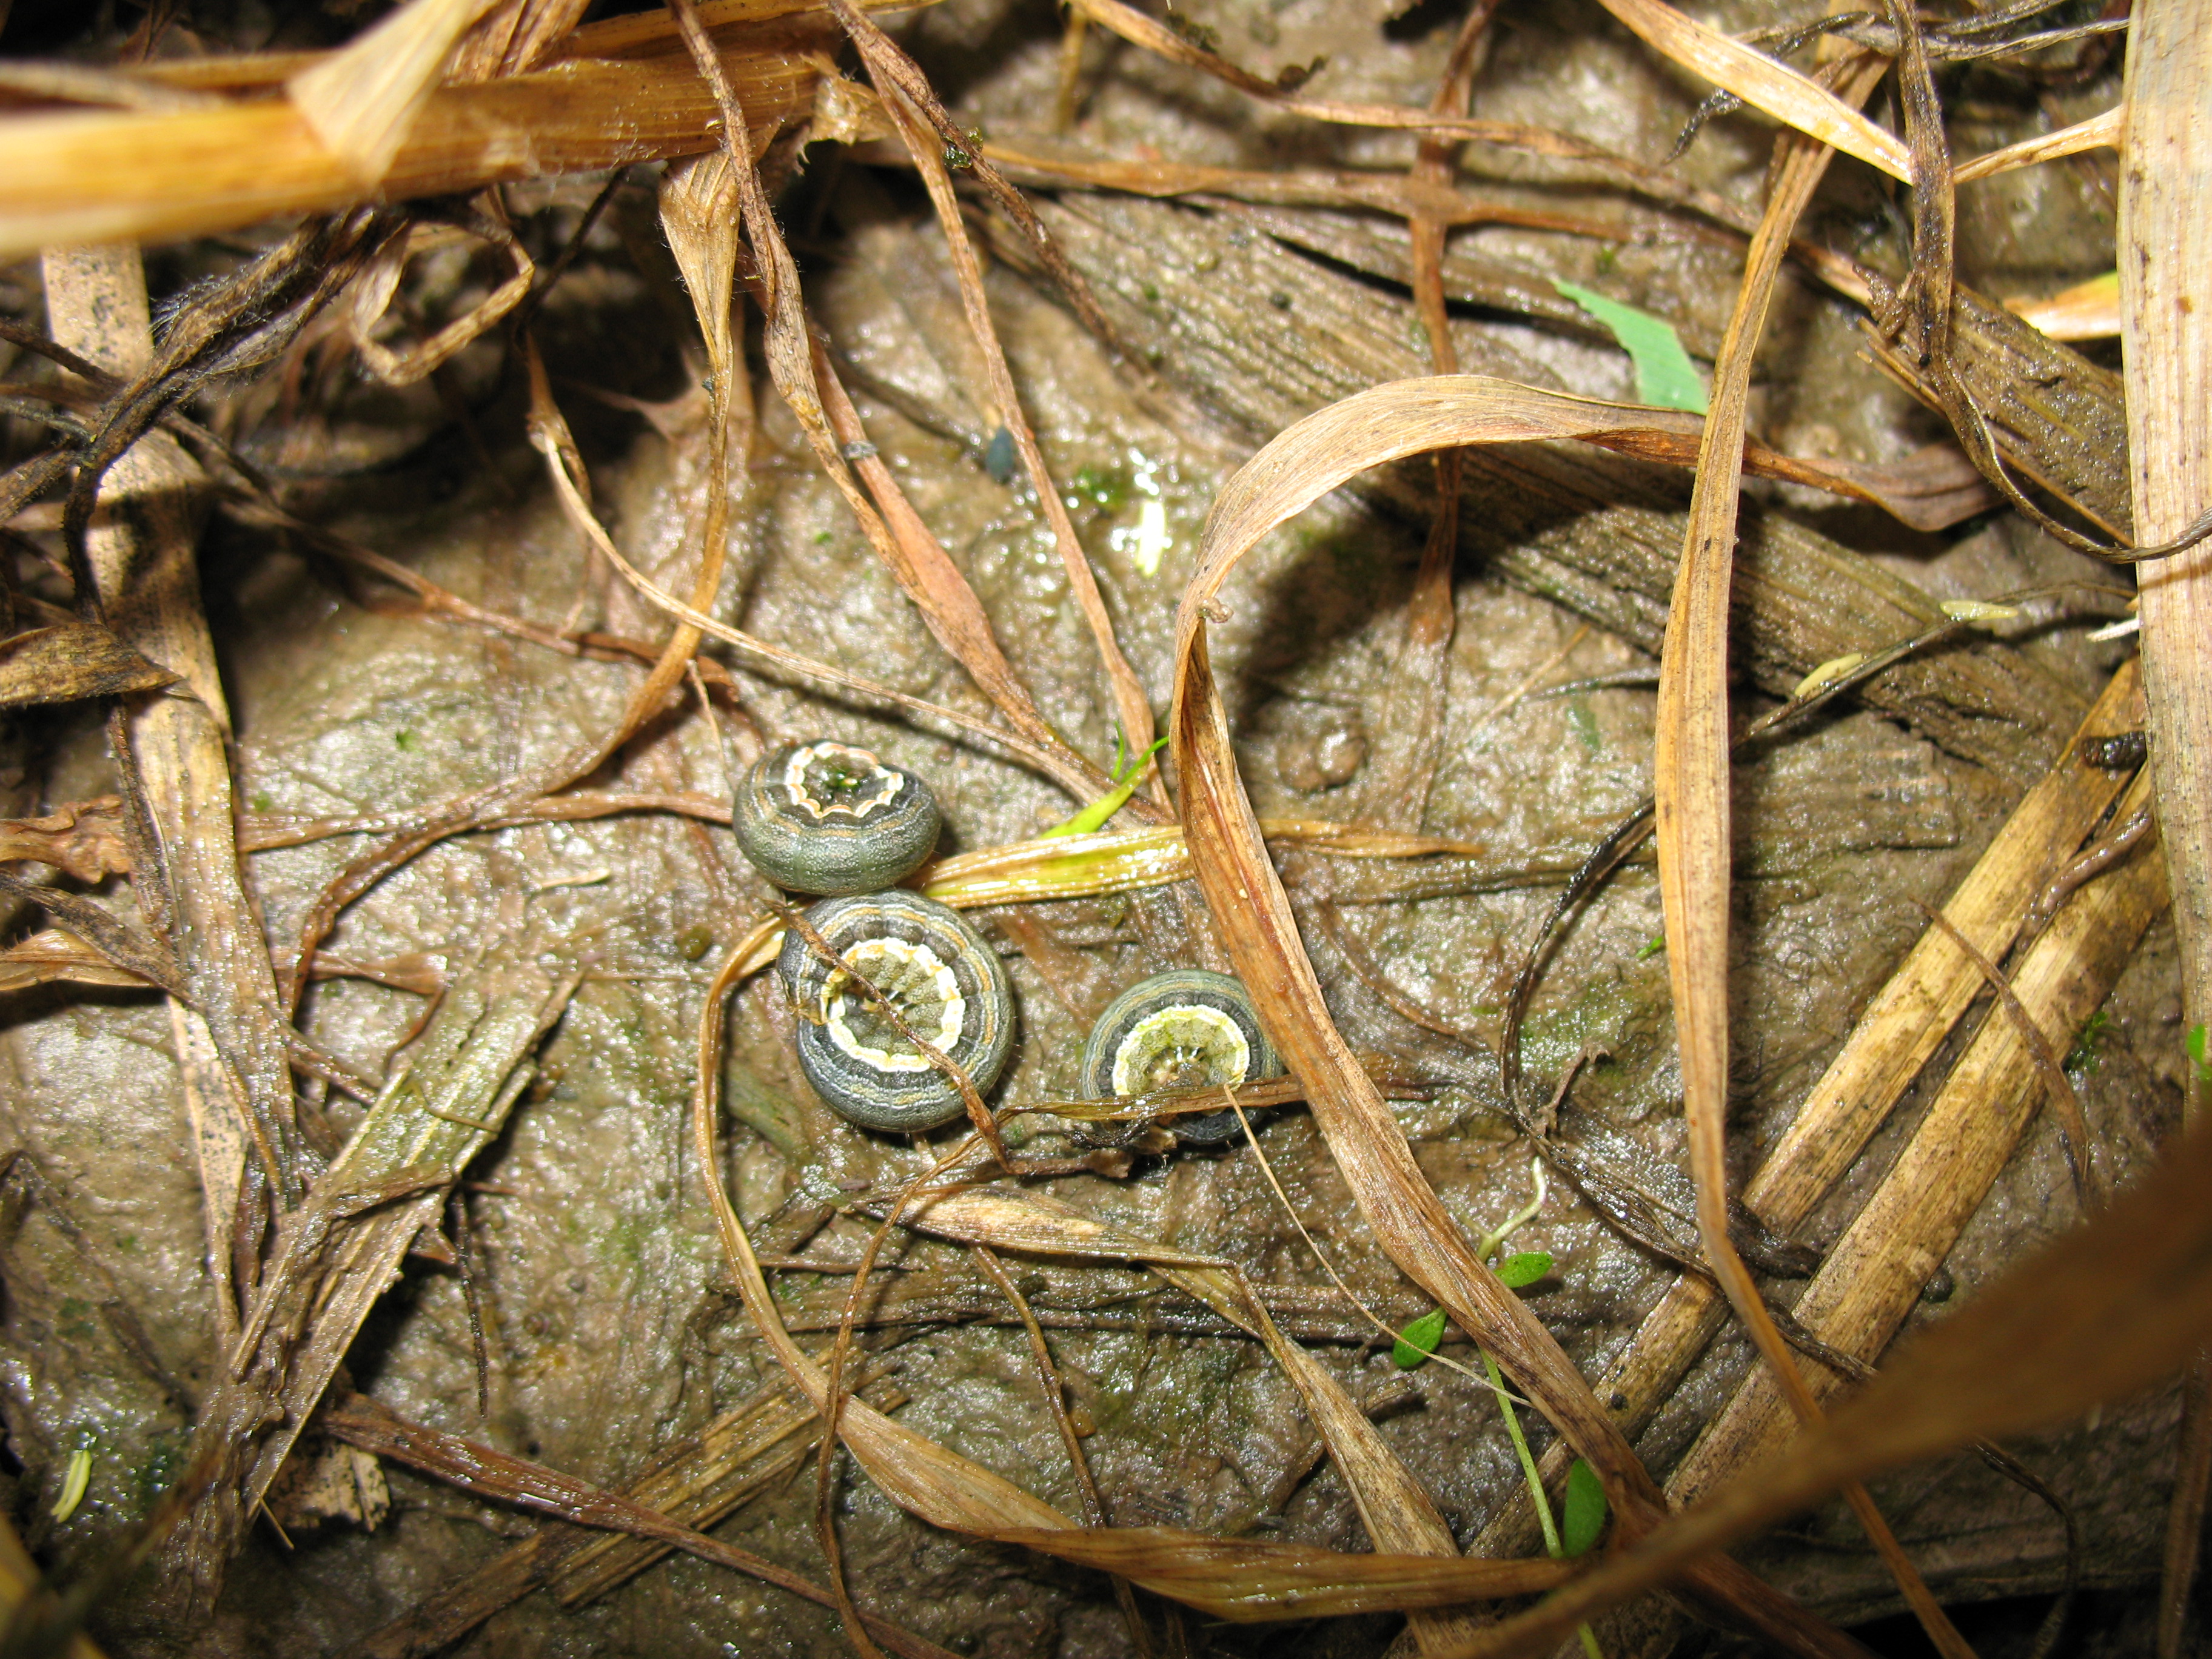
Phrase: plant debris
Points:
(1250, 460)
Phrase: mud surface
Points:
(609, 1331)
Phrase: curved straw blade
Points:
(1300, 465)
(1229, 857)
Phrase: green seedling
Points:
(1584, 725)
(1127, 770)
(2196, 1056)
(1417, 1341)
(1518, 1271)
(2084, 1055)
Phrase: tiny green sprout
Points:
(1827, 674)
(824, 538)
(1652, 947)
(403, 739)
(1518, 1272)
(262, 803)
(77, 1480)
(1664, 374)
(1127, 770)
(1419, 1341)
(962, 156)
(2084, 1055)
(1582, 1515)
(2197, 1055)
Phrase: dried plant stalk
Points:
(1874, 1275)
(2102, 1312)
(341, 1250)
(140, 177)
(2166, 296)
(2057, 416)
(2164, 243)
(231, 1049)
(513, 36)
(1897, 1035)
(360, 102)
(1690, 787)
(2098, 132)
(897, 81)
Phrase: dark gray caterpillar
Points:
(1186, 1029)
(825, 817)
(938, 974)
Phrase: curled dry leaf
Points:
(373, 289)
(1691, 796)
(51, 955)
(84, 839)
(1228, 858)
(1242, 888)
(70, 661)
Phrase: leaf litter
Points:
(309, 1208)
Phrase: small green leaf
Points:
(1657, 943)
(1664, 374)
(2196, 1056)
(1527, 1268)
(1582, 1516)
(1418, 1339)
